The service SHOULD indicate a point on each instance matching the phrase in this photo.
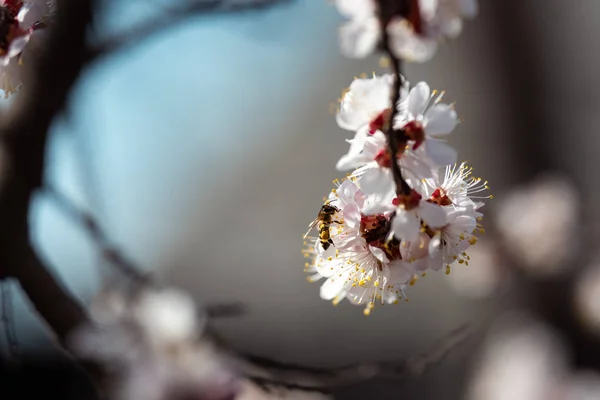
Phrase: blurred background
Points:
(205, 152)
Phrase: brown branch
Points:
(394, 138)
(267, 372)
(171, 16)
(24, 134)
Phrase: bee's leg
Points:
(337, 222)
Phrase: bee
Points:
(324, 220)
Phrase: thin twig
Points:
(393, 136)
(110, 252)
(171, 17)
(268, 372)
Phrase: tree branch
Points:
(267, 372)
(110, 253)
(394, 138)
(24, 134)
(170, 17)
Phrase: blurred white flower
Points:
(152, 342)
(538, 223)
(522, 360)
(168, 317)
(413, 34)
(415, 37)
(359, 36)
(483, 277)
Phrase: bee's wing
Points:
(311, 227)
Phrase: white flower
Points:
(458, 188)
(359, 36)
(408, 212)
(168, 316)
(365, 108)
(367, 103)
(425, 124)
(363, 264)
(450, 241)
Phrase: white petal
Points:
(432, 214)
(333, 287)
(406, 226)
(379, 254)
(359, 38)
(400, 272)
(376, 181)
(418, 98)
(348, 192)
(364, 100)
(353, 158)
(428, 8)
(378, 208)
(440, 119)
(18, 45)
(415, 249)
(30, 13)
(435, 244)
(352, 216)
(436, 262)
(439, 152)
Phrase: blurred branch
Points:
(24, 134)
(111, 253)
(269, 373)
(170, 17)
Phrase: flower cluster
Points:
(376, 236)
(20, 23)
(414, 27)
